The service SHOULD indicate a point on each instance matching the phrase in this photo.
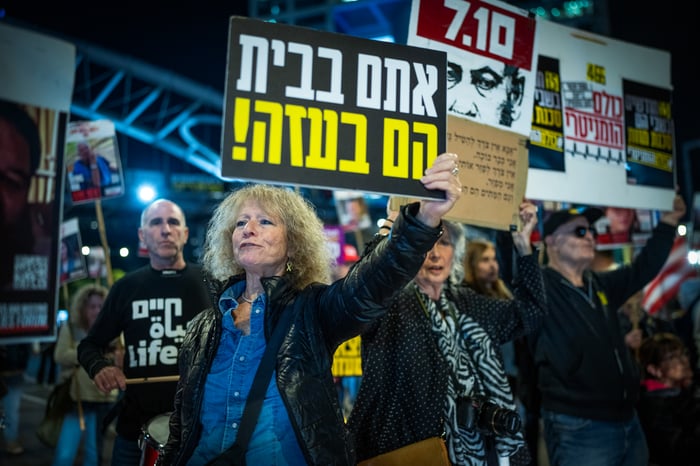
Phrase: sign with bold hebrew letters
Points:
(602, 130)
(332, 111)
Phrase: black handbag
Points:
(58, 404)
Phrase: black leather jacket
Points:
(326, 316)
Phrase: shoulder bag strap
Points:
(235, 454)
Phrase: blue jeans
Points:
(576, 441)
(125, 452)
(11, 403)
(71, 435)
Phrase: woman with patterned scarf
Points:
(434, 357)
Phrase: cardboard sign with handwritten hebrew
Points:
(493, 171)
(333, 111)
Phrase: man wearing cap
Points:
(588, 382)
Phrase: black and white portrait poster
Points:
(490, 58)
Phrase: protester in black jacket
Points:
(267, 255)
(588, 381)
(437, 351)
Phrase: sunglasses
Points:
(580, 232)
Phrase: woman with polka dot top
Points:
(431, 365)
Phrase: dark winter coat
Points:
(325, 316)
(584, 368)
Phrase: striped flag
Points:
(666, 284)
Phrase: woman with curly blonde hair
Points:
(267, 259)
(308, 262)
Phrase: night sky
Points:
(190, 42)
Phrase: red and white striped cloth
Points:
(666, 284)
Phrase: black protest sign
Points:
(332, 111)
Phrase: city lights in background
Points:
(693, 254)
(565, 10)
(61, 316)
(146, 193)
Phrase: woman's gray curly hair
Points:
(458, 240)
(307, 252)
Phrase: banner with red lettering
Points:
(490, 58)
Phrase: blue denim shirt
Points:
(226, 390)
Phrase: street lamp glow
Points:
(146, 193)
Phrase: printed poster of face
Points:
(353, 212)
(28, 210)
(621, 226)
(335, 240)
(491, 64)
(97, 264)
(72, 263)
(93, 165)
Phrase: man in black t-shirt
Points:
(151, 307)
